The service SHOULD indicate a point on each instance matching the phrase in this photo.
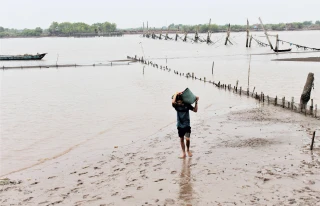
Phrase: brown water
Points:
(47, 113)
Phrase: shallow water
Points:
(46, 113)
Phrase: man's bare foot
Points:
(183, 156)
(189, 154)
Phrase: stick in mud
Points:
(312, 141)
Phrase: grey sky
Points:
(32, 13)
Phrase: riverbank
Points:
(255, 157)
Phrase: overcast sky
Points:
(131, 13)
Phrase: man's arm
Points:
(195, 109)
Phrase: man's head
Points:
(179, 99)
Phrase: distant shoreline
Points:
(121, 33)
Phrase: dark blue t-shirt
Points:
(183, 117)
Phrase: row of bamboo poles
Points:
(301, 107)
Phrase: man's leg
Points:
(188, 146)
(182, 147)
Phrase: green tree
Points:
(1, 29)
(307, 23)
(38, 31)
(53, 29)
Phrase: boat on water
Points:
(282, 50)
(22, 57)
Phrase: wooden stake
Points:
(250, 41)
(265, 32)
(228, 35)
(249, 72)
(312, 141)
(305, 96)
(247, 33)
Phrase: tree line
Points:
(202, 28)
(60, 29)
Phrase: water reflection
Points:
(185, 185)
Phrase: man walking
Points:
(183, 121)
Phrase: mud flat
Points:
(255, 156)
(307, 59)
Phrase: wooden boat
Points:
(22, 57)
(282, 50)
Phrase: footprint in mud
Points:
(140, 188)
(83, 173)
(85, 196)
(85, 167)
(127, 197)
(73, 172)
(74, 190)
(159, 180)
(55, 189)
(174, 172)
(96, 168)
(130, 185)
(129, 163)
(35, 183)
(52, 177)
(169, 201)
(144, 177)
(122, 169)
(114, 194)
(142, 171)
(28, 199)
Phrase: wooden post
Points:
(292, 103)
(277, 42)
(204, 79)
(315, 111)
(212, 67)
(312, 141)
(228, 35)
(311, 107)
(249, 72)
(247, 91)
(247, 33)
(268, 99)
(265, 32)
(192, 75)
(305, 96)
(250, 41)
(240, 90)
(276, 101)
(283, 101)
(143, 30)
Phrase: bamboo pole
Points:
(247, 33)
(265, 32)
(228, 35)
(312, 141)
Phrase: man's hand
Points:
(197, 99)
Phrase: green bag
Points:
(188, 97)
